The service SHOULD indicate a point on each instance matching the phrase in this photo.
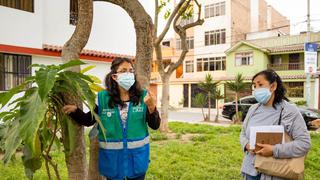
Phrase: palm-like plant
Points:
(209, 86)
(35, 119)
(237, 86)
(200, 100)
(218, 96)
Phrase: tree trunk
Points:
(165, 104)
(217, 116)
(237, 111)
(204, 116)
(209, 107)
(93, 163)
(144, 28)
(76, 160)
(144, 43)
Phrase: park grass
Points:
(212, 153)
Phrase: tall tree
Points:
(184, 9)
(144, 48)
(237, 86)
(76, 160)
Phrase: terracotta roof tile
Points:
(87, 52)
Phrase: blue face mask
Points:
(126, 80)
(262, 95)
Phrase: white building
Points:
(34, 31)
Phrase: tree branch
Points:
(156, 17)
(158, 40)
(182, 31)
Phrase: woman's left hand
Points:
(267, 150)
(150, 101)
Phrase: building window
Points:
(216, 9)
(276, 60)
(166, 43)
(215, 37)
(211, 64)
(190, 43)
(244, 59)
(189, 66)
(25, 5)
(294, 89)
(73, 12)
(14, 69)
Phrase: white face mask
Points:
(262, 95)
(125, 80)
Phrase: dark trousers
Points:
(137, 178)
(248, 177)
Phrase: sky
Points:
(296, 12)
(119, 34)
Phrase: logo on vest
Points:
(137, 109)
(108, 112)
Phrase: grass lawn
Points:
(195, 152)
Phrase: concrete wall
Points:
(240, 19)
(49, 24)
(175, 93)
(22, 28)
(278, 20)
(213, 23)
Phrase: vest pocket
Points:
(108, 163)
(140, 160)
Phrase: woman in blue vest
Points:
(125, 111)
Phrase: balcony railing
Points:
(286, 66)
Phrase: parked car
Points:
(229, 110)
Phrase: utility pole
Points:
(308, 85)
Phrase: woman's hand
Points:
(69, 109)
(248, 148)
(150, 101)
(267, 150)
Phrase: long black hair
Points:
(271, 76)
(113, 88)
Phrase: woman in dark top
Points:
(125, 111)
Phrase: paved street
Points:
(194, 115)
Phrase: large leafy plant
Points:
(35, 119)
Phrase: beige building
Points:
(226, 23)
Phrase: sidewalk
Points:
(194, 116)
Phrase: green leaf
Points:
(83, 87)
(200, 100)
(12, 140)
(71, 64)
(32, 114)
(95, 79)
(37, 65)
(69, 134)
(31, 163)
(45, 79)
(6, 96)
(86, 69)
(95, 87)
(167, 14)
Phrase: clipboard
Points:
(271, 138)
(266, 135)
